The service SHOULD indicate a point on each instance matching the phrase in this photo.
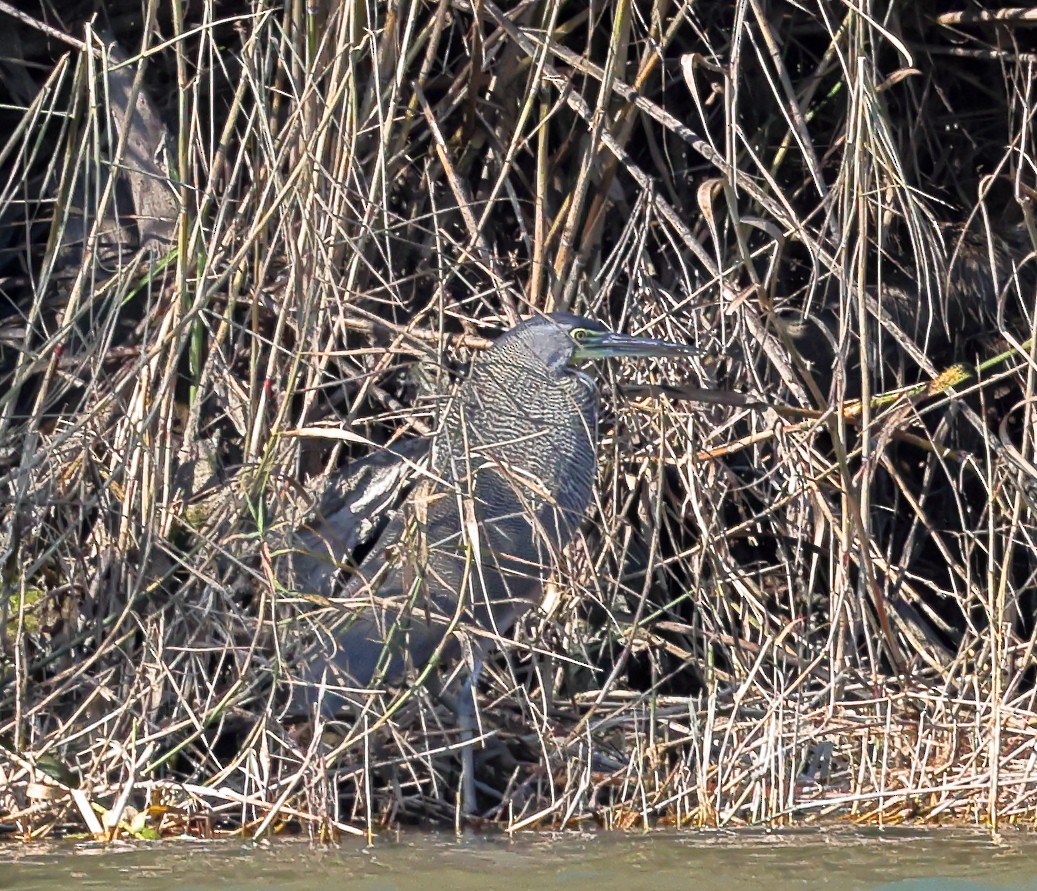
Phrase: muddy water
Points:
(939, 860)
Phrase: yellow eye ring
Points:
(579, 334)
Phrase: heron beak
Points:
(609, 345)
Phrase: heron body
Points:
(510, 478)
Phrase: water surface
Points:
(891, 860)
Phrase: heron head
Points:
(563, 339)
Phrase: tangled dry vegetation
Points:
(807, 587)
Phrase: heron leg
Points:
(468, 722)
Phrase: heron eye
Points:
(579, 334)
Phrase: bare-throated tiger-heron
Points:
(509, 479)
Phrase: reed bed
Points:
(244, 246)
